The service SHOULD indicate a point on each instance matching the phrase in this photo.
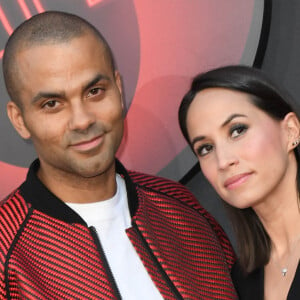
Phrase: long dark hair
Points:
(253, 242)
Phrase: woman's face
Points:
(242, 151)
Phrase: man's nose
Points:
(81, 117)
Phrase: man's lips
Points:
(237, 180)
(87, 145)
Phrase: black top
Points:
(251, 287)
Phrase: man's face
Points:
(71, 106)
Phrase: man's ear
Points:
(119, 85)
(292, 128)
(16, 118)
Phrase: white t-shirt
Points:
(110, 218)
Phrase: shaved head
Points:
(51, 27)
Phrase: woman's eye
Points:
(238, 130)
(204, 150)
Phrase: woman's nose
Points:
(226, 157)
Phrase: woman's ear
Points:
(292, 128)
(16, 118)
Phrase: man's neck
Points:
(76, 189)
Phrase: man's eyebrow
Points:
(231, 117)
(96, 79)
(48, 95)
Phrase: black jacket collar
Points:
(37, 194)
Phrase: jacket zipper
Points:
(170, 284)
(105, 262)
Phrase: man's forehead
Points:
(45, 55)
(53, 42)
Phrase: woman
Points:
(244, 132)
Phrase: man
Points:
(81, 226)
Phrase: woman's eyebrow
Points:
(231, 117)
(228, 120)
(197, 139)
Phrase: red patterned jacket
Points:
(48, 252)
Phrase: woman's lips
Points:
(88, 145)
(236, 180)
